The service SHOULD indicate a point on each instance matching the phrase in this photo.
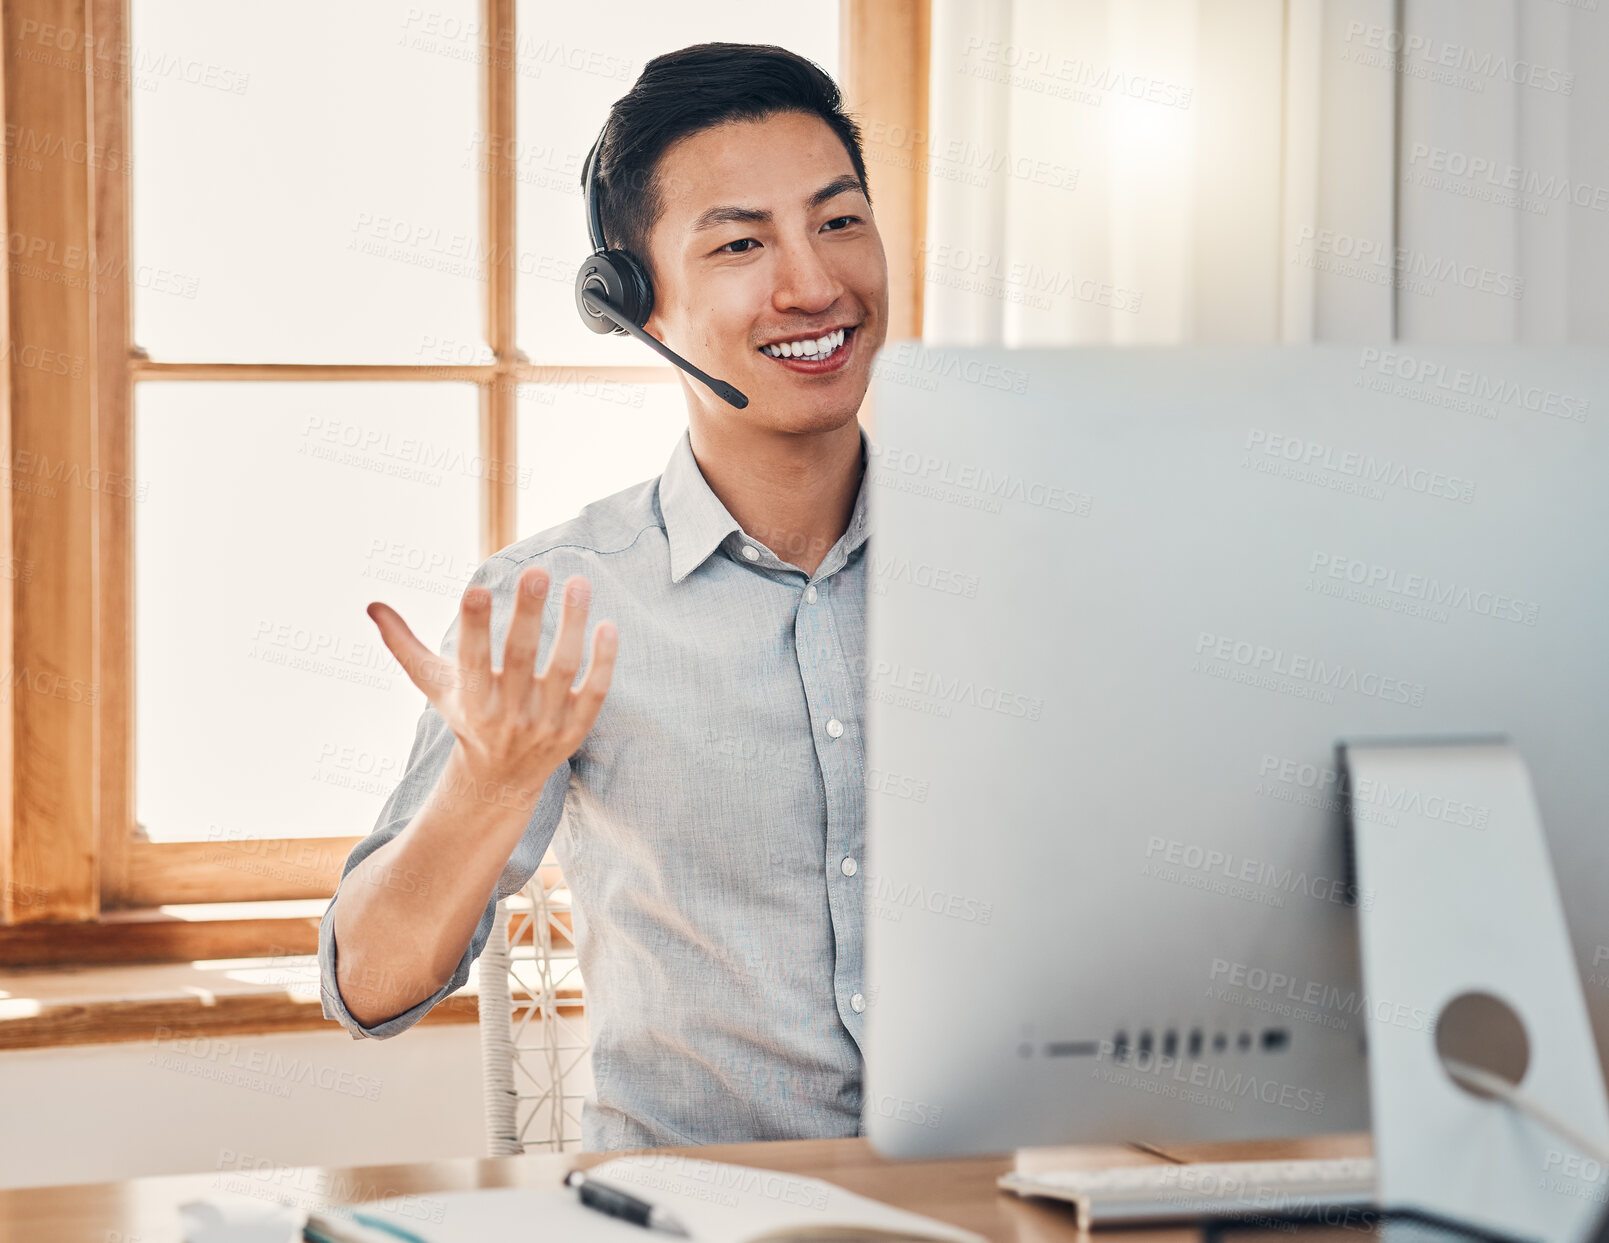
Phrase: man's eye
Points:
(842, 222)
(743, 242)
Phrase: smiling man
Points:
(703, 785)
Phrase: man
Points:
(703, 786)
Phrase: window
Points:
(300, 335)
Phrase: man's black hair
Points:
(681, 93)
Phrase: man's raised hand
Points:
(515, 726)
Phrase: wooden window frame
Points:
(71, 851)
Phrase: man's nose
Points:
(804, 281)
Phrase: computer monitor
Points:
(1124, 605)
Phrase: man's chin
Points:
(793, 389)
(824, 418)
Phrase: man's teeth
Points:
(807, 349)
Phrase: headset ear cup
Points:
(599, 274)
(639, 303)
(620, 278)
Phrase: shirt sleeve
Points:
(432, 744)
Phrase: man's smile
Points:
(814, 355)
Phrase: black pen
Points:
(622, 1204)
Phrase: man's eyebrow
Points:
(835, 187)
(731, 214)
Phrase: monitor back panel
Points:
(1123, 605)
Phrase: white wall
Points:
(98, 1112)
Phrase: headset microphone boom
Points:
(613, 292)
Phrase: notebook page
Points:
(497, 1214)
(721, 1203)
(494, 1213)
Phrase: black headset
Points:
(614, 295)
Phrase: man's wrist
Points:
(464, 788)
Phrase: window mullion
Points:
(114, 397)
(499, 394)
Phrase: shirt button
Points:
(835, 728)
(810, 594)
(857, 1003)
(751, 552)
(849, 866)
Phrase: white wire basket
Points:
(533, 1033)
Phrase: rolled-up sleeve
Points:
(432, 745)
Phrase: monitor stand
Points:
(1465, 955)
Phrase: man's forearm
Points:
(406, 913)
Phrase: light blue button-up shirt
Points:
(710, 827)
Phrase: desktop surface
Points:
(960, 1191)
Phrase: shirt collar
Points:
(696, 521)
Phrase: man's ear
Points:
(654, 325)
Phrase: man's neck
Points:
(793, 493)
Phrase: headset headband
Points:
(589, 175)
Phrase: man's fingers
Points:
(475, 635)
(424, 668)
(588, 697)
(525, 630)
(564, 661)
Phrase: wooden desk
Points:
(961, 1190)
